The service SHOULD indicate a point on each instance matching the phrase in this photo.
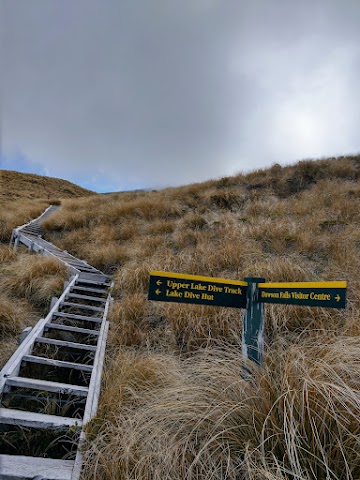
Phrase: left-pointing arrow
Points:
(157, 292)
(159, 282)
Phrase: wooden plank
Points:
(98, 373)
(101, 353)
(95, 381)
(86, 297)
(10, 416)
(19, 467)
(89, 289)
(86, 270)
(74, 316)
(66, 328)
(93, 398)
(69, 260)
(82, 307)
(57, 363)
(93, 281)
(62, 343)
(35, 384)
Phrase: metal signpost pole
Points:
(253, 323)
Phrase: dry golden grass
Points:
(176, 403)
(16, 312)
(16, 212)
(12, 316)
(35, 278)
(200, 418)
(25, 196)
(28, 185)
(27, 284)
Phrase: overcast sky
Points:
(122, 94)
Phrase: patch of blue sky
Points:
(21, 163)
(102, 183)
(95, 181)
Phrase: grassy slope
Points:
(27, 282)
(173, 403)
(28, 185)
(23, 196)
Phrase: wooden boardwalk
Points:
(50, 386)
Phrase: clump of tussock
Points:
(16, 212)
(35, 278)
(15, 315)
(132, 278)
(207, 418)
(226, 199)
(7, 254)
(12, 316)
(137, 323)
(107, 257)
(129, 322)
(7, 347)
(199, 326)
(193, 221)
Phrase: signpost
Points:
(249, 294)
(218, 292)
(312, 294)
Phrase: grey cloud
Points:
(167, 92)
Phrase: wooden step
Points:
(19, 467)
(63, 343)
(87, 269)
(61, 254)
(90, 281)
(73, 316)
(57, 363)
(9, 416)
(89, 289)
(66, 328)
(82, 307)
(47, 386)
(31, 232)
(75, 261)
(86, 297)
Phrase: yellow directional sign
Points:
(181, 288)
(314, 294)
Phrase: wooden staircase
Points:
(49, 389)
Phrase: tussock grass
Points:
(201, 418)
(17, 212)
(177, 402)
(34, 277)
(12, 316)
(28, 185)
(15, 315)
(24, 197)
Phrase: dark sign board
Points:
(313, 294)
(175, 287)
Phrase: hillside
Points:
(24, 196)
(26, 282)
(28, 185)
(174, 403)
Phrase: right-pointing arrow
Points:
(338, 298)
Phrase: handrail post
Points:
(253, 323)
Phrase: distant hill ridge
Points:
(28, 185)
